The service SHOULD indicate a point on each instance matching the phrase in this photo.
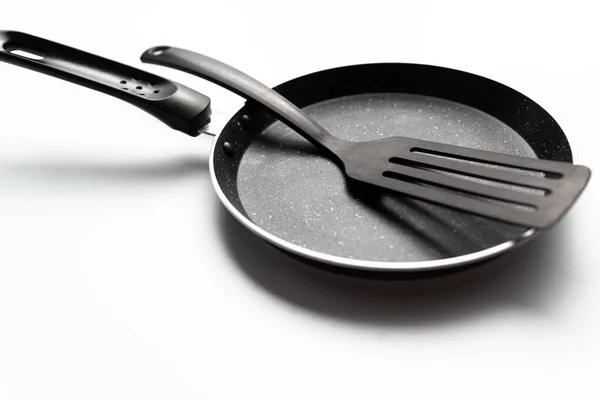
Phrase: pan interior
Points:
(287, 188)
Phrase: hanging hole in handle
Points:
(157, 51)
(31, 54)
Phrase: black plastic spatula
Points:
(520, 190)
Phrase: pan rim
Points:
(363, 265)
(366, 265)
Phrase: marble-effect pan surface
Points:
(289, 190)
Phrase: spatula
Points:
(521, 190)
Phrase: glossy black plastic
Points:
(179, 107)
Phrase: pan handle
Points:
(178, 106)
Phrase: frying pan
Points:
(276, 184)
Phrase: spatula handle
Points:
(247, 87)
(179, 107)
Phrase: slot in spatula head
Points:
(520, 190)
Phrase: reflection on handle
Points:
(179, 107)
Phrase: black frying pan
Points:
(278, 186)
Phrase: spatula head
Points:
(524, 191)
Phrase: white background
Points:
(122, 276)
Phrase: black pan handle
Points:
(178, 106)
(247, 87)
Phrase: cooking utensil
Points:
(413, 166)
(275, 184)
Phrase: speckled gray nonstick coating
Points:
(288, 189)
